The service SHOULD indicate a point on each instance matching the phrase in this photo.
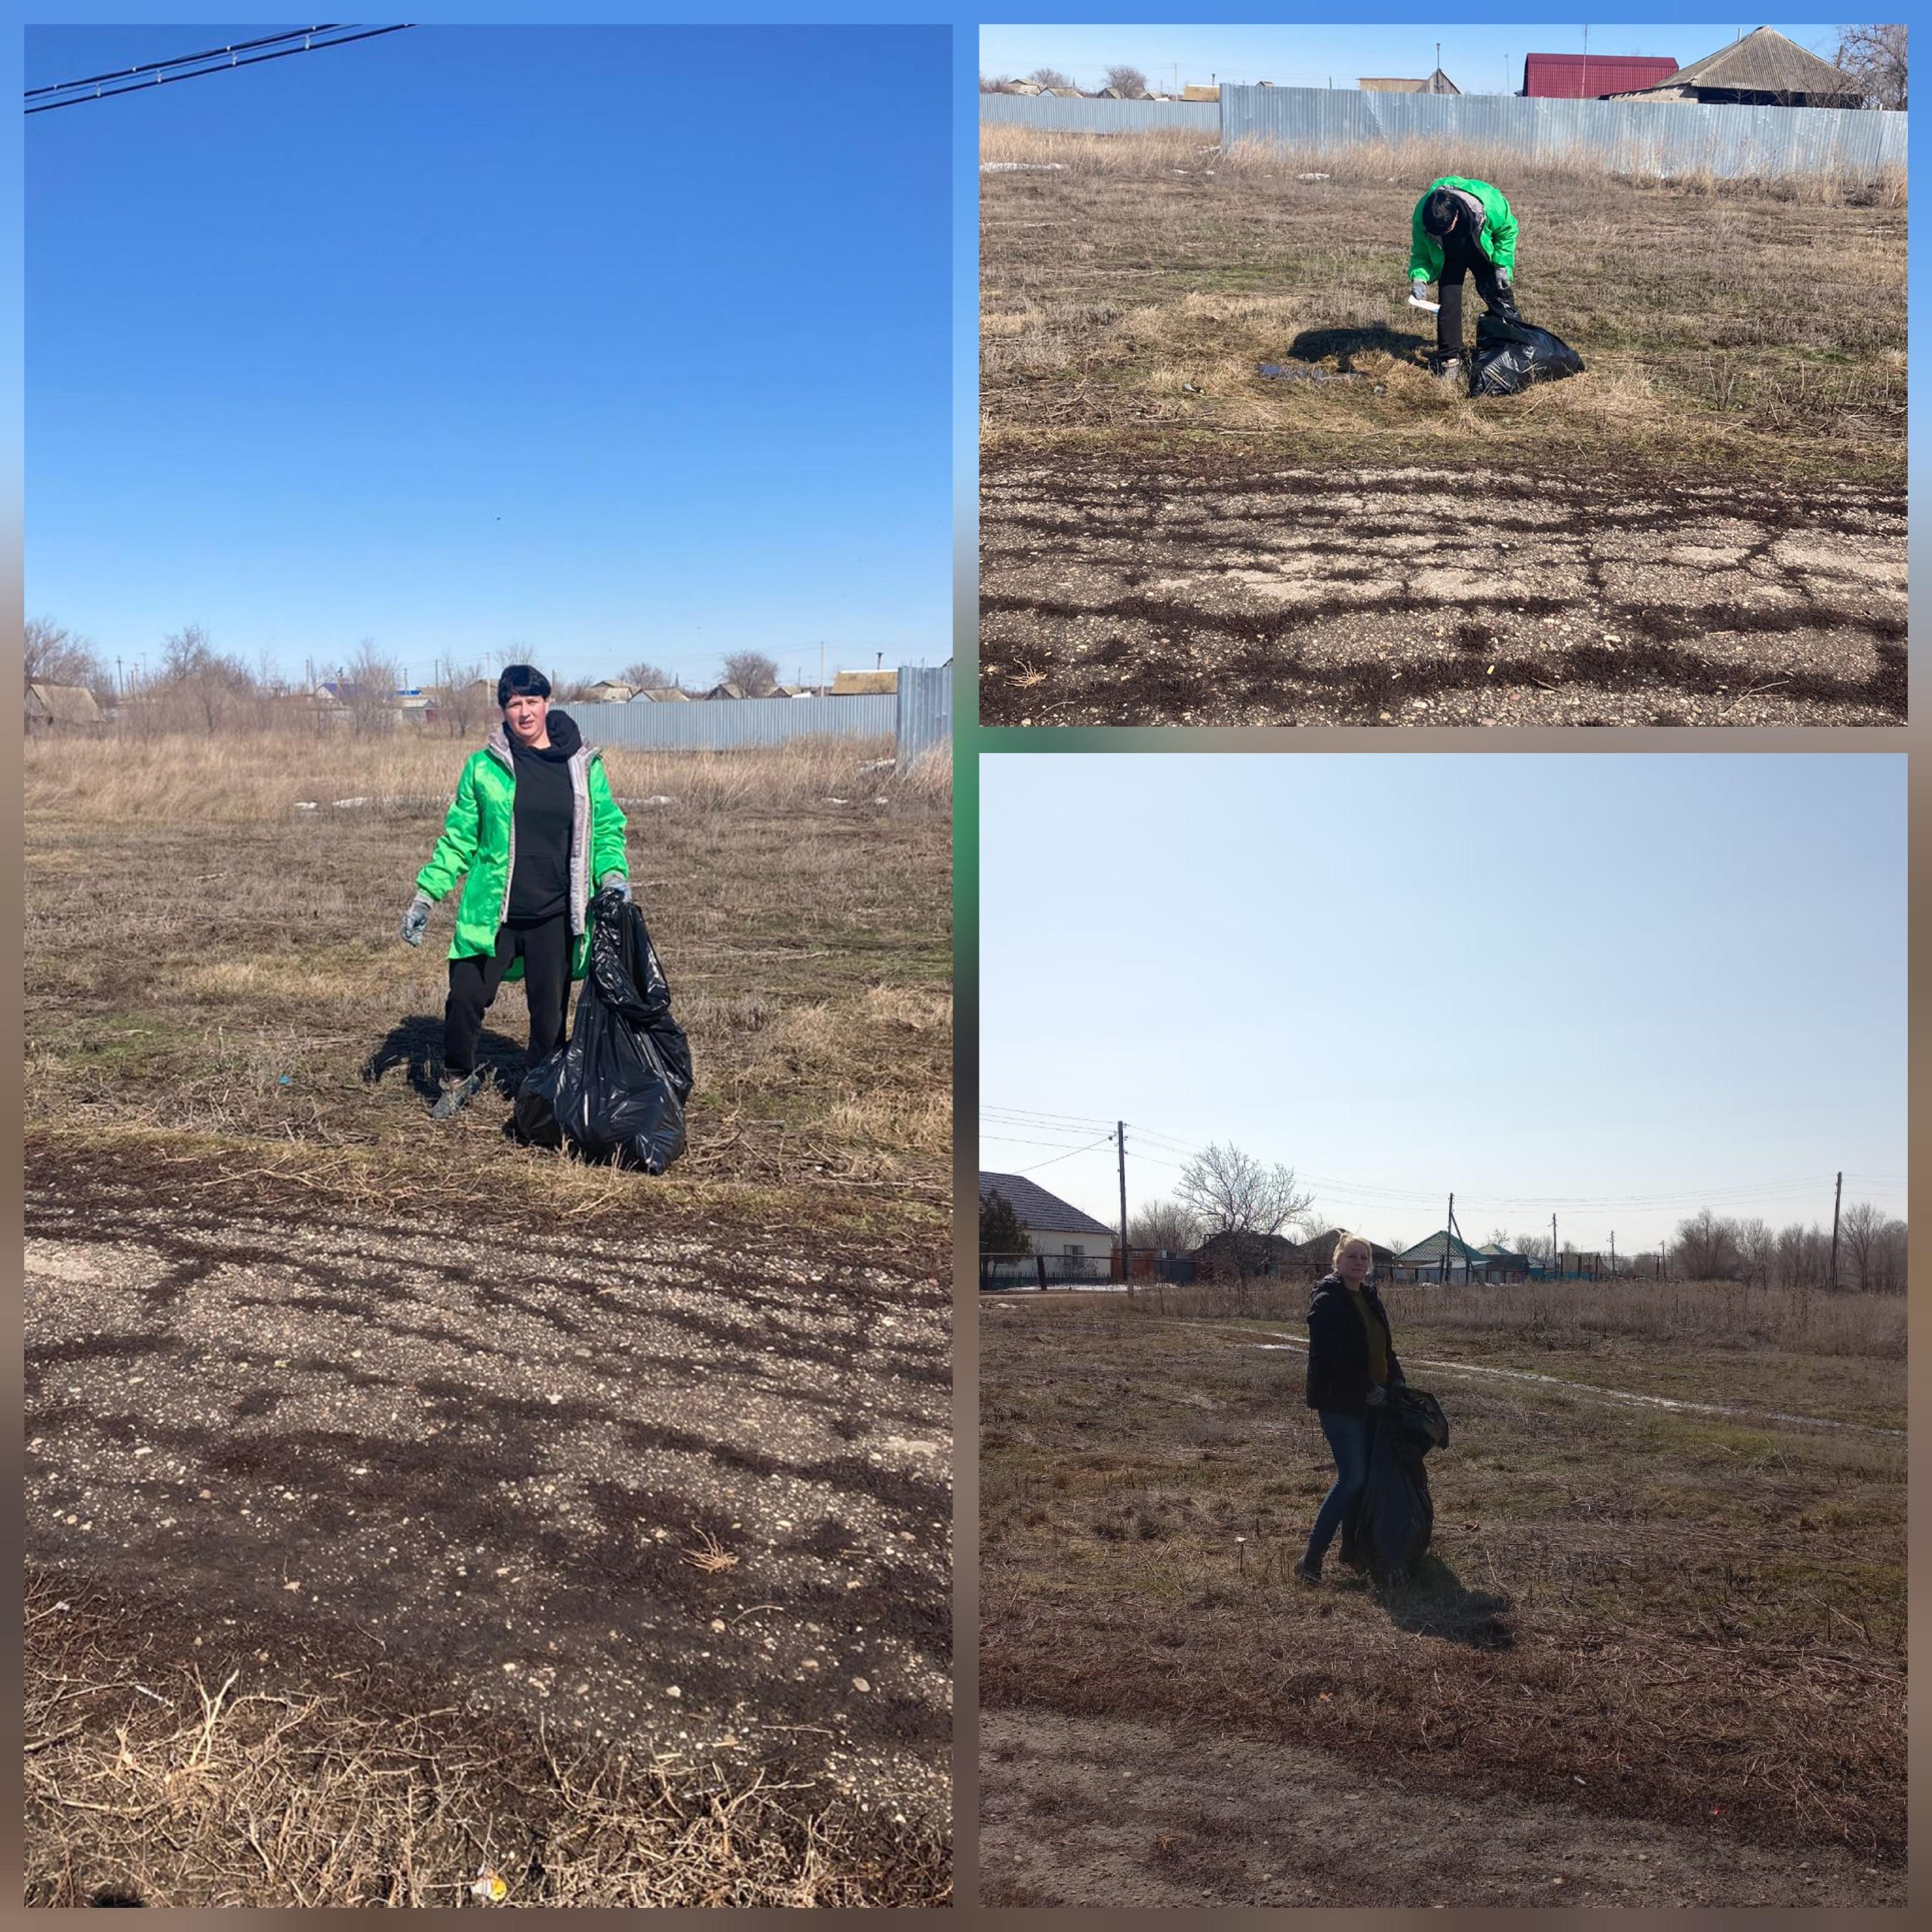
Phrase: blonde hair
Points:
(1343, 1241)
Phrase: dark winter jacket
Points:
(1338, 1375)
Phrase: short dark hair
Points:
(1439, 213)
(520, 681)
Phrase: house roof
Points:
(1430, 1248)
(1584, 77)
(1496, 1251)
(1438, 82)
(1037, 1208)
(858, 684)
(1765, 62)
(1322, 1247)
(662, 694)
(726, 690)
(63, 704)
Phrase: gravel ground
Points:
(1195, 594)
(676, 1498)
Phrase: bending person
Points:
(532, 823)
(1462, 228)
(1351, 1364)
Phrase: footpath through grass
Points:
(1694, 1619)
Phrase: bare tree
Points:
(753, 672)
(1129, 81)
(1861, 1232)
(646, 677)
(1874, 58)
(1246, 1200)
(1171, 1226)
(1050, 77)
(1707, 1248)
(1756, 1252)
(55, 655)
(463, 703)
(369, 688)
(1532, 1247)
(198, 680)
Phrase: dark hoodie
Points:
(1338, 1371)
(545, 808)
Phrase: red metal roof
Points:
(1578, 77)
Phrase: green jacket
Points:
(1496, 228)
(478, 845)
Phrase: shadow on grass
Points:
(1435, 1602)
(1344, 345)
(416, 1044)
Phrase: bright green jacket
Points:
(1496, 234)
(478, 846)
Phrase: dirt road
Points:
(1201, 592)
(668, 1496)
(1100, 1811)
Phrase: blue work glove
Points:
(616, 882)
(416, 920)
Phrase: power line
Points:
(192, 67)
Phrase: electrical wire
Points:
(193, 66)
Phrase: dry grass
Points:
(1131, 285)
(1686, 1617)
(1581, 1315)
(184, 1785)
(213, 978)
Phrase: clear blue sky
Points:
(607, 343)
(1479, 60)
(1651, 982)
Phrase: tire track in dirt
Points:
(1104, 1811)
(1559, 1386)
(1419, 596)
(666, 1496)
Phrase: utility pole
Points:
(1126, 1253)
(1555, 1263)
(1838, 1195)
(1613, 1255)
(821, 667)
(1583, 85)
(1446, 1226)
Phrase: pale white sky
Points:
(1623, 986)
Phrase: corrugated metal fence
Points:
(918, 718)
(1100, 117)
(1655, 137)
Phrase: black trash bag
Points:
(615, 1091)
(1511, 356)
(1388, 1530)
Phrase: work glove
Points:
(1502, 297)
(1419, 293)
(415, 920)
(1376, 1397)
(616, 882)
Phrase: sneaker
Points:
(1309, 1572)
(457, 1093)
(1451, 370)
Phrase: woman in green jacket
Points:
(533, 823)
(1460, 228)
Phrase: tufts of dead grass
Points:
(206, 1784)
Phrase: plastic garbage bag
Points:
(1511, 356)
(1388, 1530)
(615, 1091)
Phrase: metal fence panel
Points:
(1659, 137)
(925, 709)
(1050, 112)
(736, 724)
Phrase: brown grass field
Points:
(401, 1502)
(1706, 527)
(1656, 1655)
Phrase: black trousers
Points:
(1449, 293)
(544, 947)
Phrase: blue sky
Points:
(1479, 60)
(1626, 985)
(602, 343)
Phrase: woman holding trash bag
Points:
(532, 824)
(1351, 1365)
(1460, 228)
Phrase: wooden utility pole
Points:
(1555, 1263)
(1837, 1195)
(1126, 1253)
(1613, 1255)
(1446, 1225)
